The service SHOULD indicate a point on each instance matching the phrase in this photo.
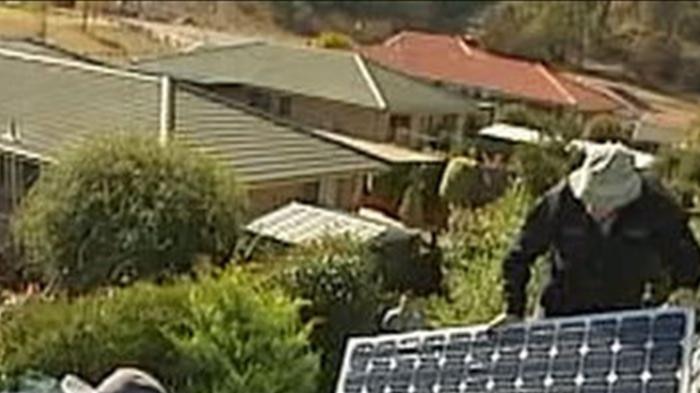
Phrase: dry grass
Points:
(102, 40)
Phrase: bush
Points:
(565, 125)
(465, 185)
(125, 207)
(213, 336)
(333, 40)
(541, 167)
(344, 293)
(606, 128)
(680, 171)
(474, 247)
(520, 115)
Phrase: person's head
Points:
(607, 180)
(123, 380)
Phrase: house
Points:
(338, 91)
(463, 64)
(50, 103)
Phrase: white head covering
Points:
(123, 380)
(607, 179)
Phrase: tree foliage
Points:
(215, 335)
(125, 207)
(541, 167)
(648, 37)
(606, 128)
(474, 247)
(680, 171)
(342, 286)
(332, 40)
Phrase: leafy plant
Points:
(343, 289)
(124, 207)
(474, 247)
(217, 335)
(333, 40)
(603, 128)
(541, 167)
(680, 171)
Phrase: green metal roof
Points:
(54, 103)
(32, 46)
(330, 74)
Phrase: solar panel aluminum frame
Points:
(687, 342)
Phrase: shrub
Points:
(520, 115)
(541, 167)
(680, 171)
(565, 125)
(604, 128)
(474, 247)
(125, 207)
(212, 336)
(344, 293)
(333, 40)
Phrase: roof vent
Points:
(11, 134)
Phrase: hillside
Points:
(655, 43)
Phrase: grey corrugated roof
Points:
(257, 147)
(298, 223)
(331, 74)
(54, 103)
(30, 45)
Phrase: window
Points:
(285, 106)
(449, 122)
(259, 100)
(398, 125)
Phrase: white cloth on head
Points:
(607, 179)
(123, 380)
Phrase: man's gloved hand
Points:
(504, 319)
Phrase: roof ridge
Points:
(204, 49)
(464, 46)
(556, 83)
(602, 90)
(77, 64)
(371, 82)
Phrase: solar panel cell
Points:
(565, 366)
(598, 362)
(635, 330)
(627, 385)
(665, 358)
(541, 336)
(602, 333)
(669, 327)
(630, 361)
(562, 386)
(666, 385)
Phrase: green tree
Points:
(124, 207)
(342, 285)
(474, 247)
(332, 40)
(604, 128)
(227, 334)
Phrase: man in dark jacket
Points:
(610, 232)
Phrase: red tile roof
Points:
(459, 60)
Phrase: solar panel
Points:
(643, 351)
